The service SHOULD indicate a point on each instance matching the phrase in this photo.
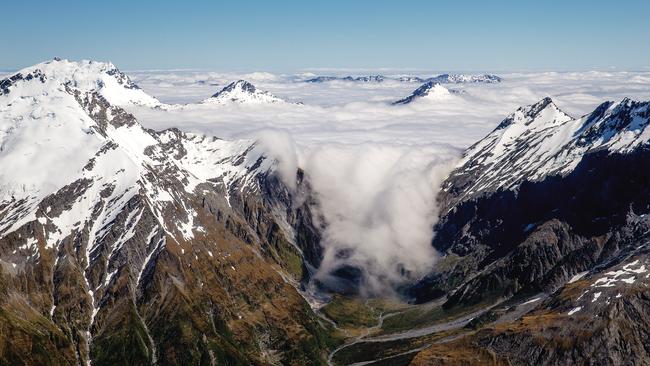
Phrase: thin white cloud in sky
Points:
(375, 167)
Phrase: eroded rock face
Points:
(538, 237)
(158, 248)
(568, 224)
(513, 221)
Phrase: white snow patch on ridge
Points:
(627, 274)
(578, 276)
(574, 310)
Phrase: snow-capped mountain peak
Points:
(540, 140)
(58, 126)
(542, 114)
(242, 92)
(430, 90)
(102, 77)
(239, 85)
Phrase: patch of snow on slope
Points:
(578, 276)
(574, 310)
(627, 274)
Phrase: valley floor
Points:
(387, 332)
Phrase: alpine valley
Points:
(124, 245)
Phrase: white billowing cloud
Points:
(375, 167)
(259, 76)
(378, 203)
(280, 145)
(359, 112)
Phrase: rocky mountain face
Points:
(123, 245)
(242, 92)
(548, 213)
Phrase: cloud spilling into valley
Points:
(375, 167)
(378, 203)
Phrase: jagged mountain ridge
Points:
(361, 79)
(123, 244)
(540, 140)
(548, 214)
(441, 79)
(465, 78)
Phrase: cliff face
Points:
(538, 237)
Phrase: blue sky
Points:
(298, 35)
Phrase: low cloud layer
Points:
(375, 167)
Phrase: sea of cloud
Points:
(375, 167)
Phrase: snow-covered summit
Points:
(242, 92)
(58, 127)
(430, 90)
(102, 77)
(541, 140)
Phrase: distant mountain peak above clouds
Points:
(361, 79)
(242, 85)
(465, 78)
(242, 92)
(442, 78)
(430, 90)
